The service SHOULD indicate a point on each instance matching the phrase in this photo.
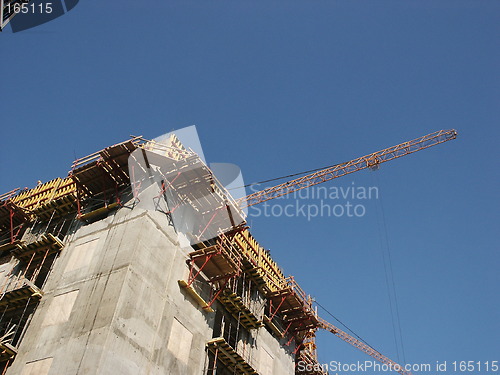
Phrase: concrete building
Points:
(139, 262)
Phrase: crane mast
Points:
(368, 161)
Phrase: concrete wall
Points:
(112, 305)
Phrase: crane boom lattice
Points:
(362, 346)
(339, 170)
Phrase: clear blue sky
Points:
(278, 87)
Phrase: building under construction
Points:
(140, 262)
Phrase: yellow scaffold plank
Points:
(227, 355)
(47, 242)
(239, 310)
(99, 211)
(7, 351)
(193, 293)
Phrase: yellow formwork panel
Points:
(45, 192)
(239, 309)
(274, 278)
(193, 293)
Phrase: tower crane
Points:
(303, 304)
(368, 161)
(323, 324)
(307, 347)
(372, 161)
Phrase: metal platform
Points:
(295, 308)
(216, 261)
(34, 251)
(239, 310)
(18, 294)
(229, 357)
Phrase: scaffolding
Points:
(306, 361)
(258, 263)
(55, 197)
(32, 225)
(229, 357)
(219, 263)
(46, 202)
(100, 177)
(239, 270)
(226, 263)
(235, 255)
(199, 205)
(103, 179)
(13, 218)
(295, 308)
(28, 268)
(242, 300)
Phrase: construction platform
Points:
(13, 220)
(37, 250)
(18, 294)
(227, 355)
(295, 308)
(239, 309)
(230, 274)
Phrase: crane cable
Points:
(343, 324)
(283, 177)
(389, 276)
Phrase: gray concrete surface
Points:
(112, 305)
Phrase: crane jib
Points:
(368, 161)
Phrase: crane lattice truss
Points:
(369, 161)
(361, 346)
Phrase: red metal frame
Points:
(273, 314)
(192, 278)
(110, 169)
(206, 226)
(135, 188)
(213, 296)
(214, 291)
(13, 233)
(11, 217)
